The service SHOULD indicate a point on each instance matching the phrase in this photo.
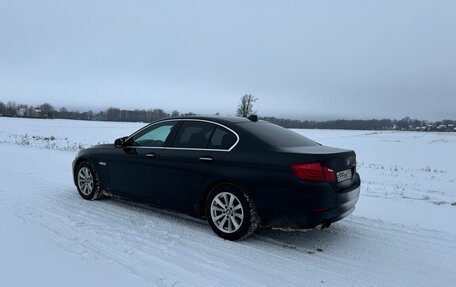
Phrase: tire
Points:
(231, 213)
(87, 181)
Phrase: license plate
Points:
(344, 175)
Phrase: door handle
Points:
(206, 158)
(151, 155)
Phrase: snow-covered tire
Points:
(231, 213)
(87, 181)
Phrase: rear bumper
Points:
(302, 209)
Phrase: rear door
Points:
(185, 168)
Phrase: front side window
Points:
(154, 136)
(194, 134)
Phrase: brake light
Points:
(313, 172)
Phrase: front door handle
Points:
(206, 158)
(151, 155)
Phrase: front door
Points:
(132, 170)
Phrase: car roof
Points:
(218, 119)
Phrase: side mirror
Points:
(120, 142)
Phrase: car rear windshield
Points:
(276, 135)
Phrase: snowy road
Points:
(49, 235)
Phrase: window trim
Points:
(184, 148)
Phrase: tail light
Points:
(313, 172)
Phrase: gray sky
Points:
(302, 59)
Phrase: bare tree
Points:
(2, 108)
(10, 109)
(113, 114)
(47, 110)
(245, 108)
(174, 114)
(62, 113)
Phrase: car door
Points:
(132, 167)
(187, 166)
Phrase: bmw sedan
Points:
(238, 173)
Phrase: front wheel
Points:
(87, 181)
(231, 213)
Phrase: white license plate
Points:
(344, 175)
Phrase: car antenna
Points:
(253, 118)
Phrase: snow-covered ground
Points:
(401, 234)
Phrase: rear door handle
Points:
(206, 158)
(151, 155)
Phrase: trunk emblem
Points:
(348, 162)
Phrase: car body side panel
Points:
(132, 173)
(182, 176)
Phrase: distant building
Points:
(430, 128)
(37, 113)
(21, 112)
(441, 128)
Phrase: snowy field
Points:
(401, 234)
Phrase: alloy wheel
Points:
(85, 180)
(227, 212)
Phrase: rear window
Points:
(276, 135)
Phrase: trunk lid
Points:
(336, 159)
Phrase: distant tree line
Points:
(46, 110)
(405, 124)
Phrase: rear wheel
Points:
(87, 181)
(231, 213)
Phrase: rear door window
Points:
(222, 139)
(194, 134)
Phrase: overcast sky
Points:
(302, 59)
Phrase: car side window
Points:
(194, 134)
(154, 136)
(222, 139)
